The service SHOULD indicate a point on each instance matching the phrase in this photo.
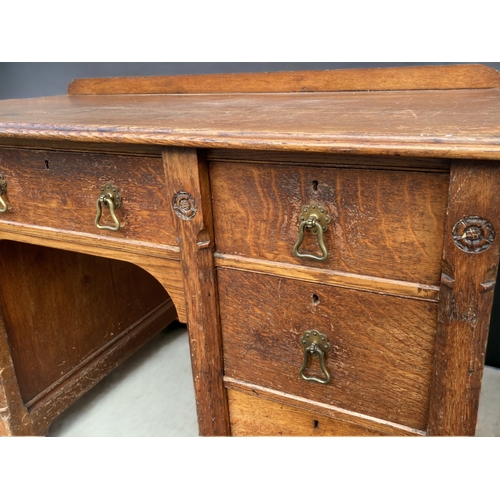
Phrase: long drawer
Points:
(60, 190)
(381, 347)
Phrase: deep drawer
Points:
(60, 190)
(381, 354)
(384, 223)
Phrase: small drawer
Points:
(383, 223)
(60, 190)
(381, 347)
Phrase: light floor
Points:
(152, 394)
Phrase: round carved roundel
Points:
(473, 234)
(184, 205)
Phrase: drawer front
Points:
(252, 416)
(382, 347)
(384, 223)
(60, 190)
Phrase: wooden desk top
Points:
(463, 123)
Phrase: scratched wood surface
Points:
(384, 224)
(185, 172)
(60, 189)
(252, 416)
(467, 287)
(417, 77)
(427, 123)
(382, 347)
(249, 406)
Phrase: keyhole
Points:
(47, 164)
(315, 185)
(315, 299)
(316, 424)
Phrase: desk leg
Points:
(188, 188)
(14, 418)
(469, 273)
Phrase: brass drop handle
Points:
(314, 218)
(3, 190)
(316, 345)
(111, 198)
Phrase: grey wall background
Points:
(44, 79)
(18, 80)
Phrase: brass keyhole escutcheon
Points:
(111, 198)
(316, 345)
(314, 218)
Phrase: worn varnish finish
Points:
(188, 174)
(383, 223)
(252, 416)
(420, 77)
(467, 287)
(382, 347)
(407, 320)
(430, 123)
(347, 422)
(327, 276)
(64, 187)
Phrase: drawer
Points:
(382, 346)
(60, 190)
(254, 416)
(384, 223)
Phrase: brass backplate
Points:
(3, 185)
(310, 337)
(108, 191)
(315, 211)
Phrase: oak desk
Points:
(328, 237)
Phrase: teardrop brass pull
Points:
(314, 218)
(317, 345)
(3, 190)
(111, 198)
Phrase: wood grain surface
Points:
(60, 189)
(252, 416)
(467, 287)
(160, 261)
(382, 347)
(185, 173)
(84, 302)
(291, 158)
(14, 420)
(352, 281)
(384, 224)
(423, 123)
(348, 422)
(417, 77)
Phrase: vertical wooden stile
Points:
(187, 177)
(466, 297)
